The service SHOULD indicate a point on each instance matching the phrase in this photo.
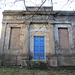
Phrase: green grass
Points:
(24, 71)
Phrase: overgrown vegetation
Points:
(39, 65)
(17, 70)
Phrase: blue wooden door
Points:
(39, 49)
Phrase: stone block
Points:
(53, 61)
(66, 61)
(24, 63)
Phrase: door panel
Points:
(39, 50)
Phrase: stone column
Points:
(73, 28)
(52, 47)
(26, 39)
(2, 36)
(53, 58)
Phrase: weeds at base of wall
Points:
(39, 65)
(6, 60)
(11, 60)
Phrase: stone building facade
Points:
(38, 34)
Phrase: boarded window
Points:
(64, 38)
(15, 38)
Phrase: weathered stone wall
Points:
(46, 31)
(39, 23)
(0, 45)
(23, 48)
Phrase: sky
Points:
(61, 5)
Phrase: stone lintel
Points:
(24, 13)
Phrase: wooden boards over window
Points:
(15, 38)
(63, 38)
